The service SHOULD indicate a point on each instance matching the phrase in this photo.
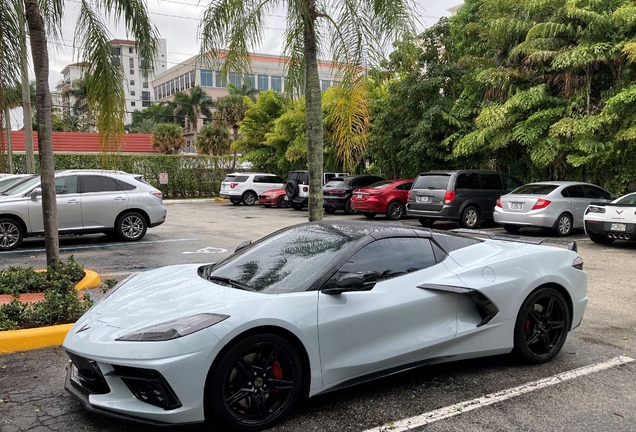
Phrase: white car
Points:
(246, 187)
(314, 308)
(607, 222)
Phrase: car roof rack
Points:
(571, 244)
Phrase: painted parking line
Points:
(452, 410)
(101, 246)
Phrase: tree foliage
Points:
(213, 140)
(168, 138)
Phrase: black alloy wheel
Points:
(563, 226)
(426, 222)
(249, 198)
(282, 202)
(255, 384)
(348, 209)
(512, 228)
(601, 239)
(542, 326)
(11, 234)
(131, 226)
(470, 218)
(395, 211)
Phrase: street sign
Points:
(163, 178)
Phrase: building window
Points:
(172, 87)
(145, 104)
(117, 51)
(263, 82)
(192, 75)
(277, 83)
(132, 93)
(145, 84)
(221, 80)
(324, 84)
(235, 79)
(250, 80)
(182, 82)
(145, 95)
(130, 51)
(156, 94)
(206, 78)
(132, 82)
(132, 71)
(131, 62)
(133, 103)
(187, 80)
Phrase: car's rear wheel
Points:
(563, 225)
(426, 222)
(395, 211)
(282, 202)
(512, 228)
(470, 218)
(11, 234)
(369, 215)
(255, 383)
(131, 226)
(601, 239)
(249, 198)
(296, 206)
(235, 201)
(542, 326)
(348, 209)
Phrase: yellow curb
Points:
(91, 280)
(218, 199)
(29, 339)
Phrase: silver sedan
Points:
(555, 205)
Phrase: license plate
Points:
(618, 227)
(359, 196)
(423, 199)
(516, 206)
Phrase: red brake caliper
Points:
(527, 324)
(277, 372)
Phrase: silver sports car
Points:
(314, 308)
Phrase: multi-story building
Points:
(66, 101)
(267, 73)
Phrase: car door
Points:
(394, 323)
(491, 189)
(102, 201)
(69, 206)
(577, 202)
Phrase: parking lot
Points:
(31, 383)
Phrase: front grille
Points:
(148, 386)
(89, 377)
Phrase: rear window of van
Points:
(432, 181)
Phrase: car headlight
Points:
(271, 196)
(174, 329)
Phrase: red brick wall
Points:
(84, 142)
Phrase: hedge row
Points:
(188, 175)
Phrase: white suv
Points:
(246, 187)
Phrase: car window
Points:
(299, 176)
(380, 185)
(260, 179)
(94, 183)
(405, 186)
(23, 187)
(594, 192)
(575, 191)
(335, 183)
(627, 200)
(126, 186)
(511, 183)
(491, 181)
(534, 189)
(390, 257)
(66, 185)
(467, 181)
(275, 179)
(432, 181)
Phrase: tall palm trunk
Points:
(40, 54)
(313, 106)
(7, 120)
(26, 100)
(2, 158)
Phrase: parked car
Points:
(310, 309)
(246, 187)
(607, 222)
(88, 201)
(386, 197)
(274, 197)
(297, 186)
(558, 206)
(465, 196)
(8, 181)
(337, 193)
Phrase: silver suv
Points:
(88, 201)
(246, 187)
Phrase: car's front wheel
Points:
(249, 198)
(255, 384)
(131, 226)
(282, 202)
(11, 234)
(542, 326)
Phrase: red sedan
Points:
(387, 196)
(274, 197)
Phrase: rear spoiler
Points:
(571, 244)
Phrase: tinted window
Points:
(628, 200)
(380, 185)
(432, 181)
(66, 185)
(390, 257)
(491, 181)
(535, 189)
(98, 184)
(299, 176)
(335, 183)
(351, 181)
(125, 186)
(405, 186)
(261, 179)
(235, 178)
(595, 192)
(275, 179)
(467, 181)
(511, 183)
(575, 191)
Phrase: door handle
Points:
(571, 202)
(73, 201)
(119, 198)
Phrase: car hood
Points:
(166, 294)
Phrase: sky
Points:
(177, 22)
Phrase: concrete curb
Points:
(42, 337)
(195, 201)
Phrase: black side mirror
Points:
(362, 281)
(243, 245)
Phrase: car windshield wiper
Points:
(231, 282)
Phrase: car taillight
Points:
(305, 188)
(337, 192)
(156, 193)
(541, 204)
(449, 197)
(498, 203)
(233, 185)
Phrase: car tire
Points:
(512, 228)
(235, 201)
(369, 215)
(601, 239)
(282, 202)
(395, 211)
(426, 222)
(131, 226)
(292, 189)
(541, 327)
(277, 367)
(470, 218)
(11, 234)
(330, 209)
(563, 225)
(348, 209)
(296, 206)
(249, 198)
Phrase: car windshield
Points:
(8, 183)
(283, 261)
(432, 181)
(627, 200)
(22, 187)
(534, 189)
(380, 185)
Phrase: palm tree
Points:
(192, 105)
(213, 140)
(349, 29)
(105, 86)
(230, 109)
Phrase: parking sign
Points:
(163, 178)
